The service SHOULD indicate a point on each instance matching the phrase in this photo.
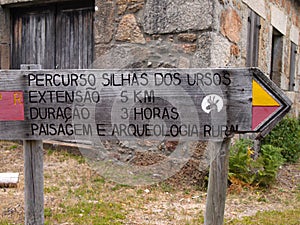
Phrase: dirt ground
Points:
(153, 205)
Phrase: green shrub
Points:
(286, 135)
(240, 163)
(255, 172)
(271, 159)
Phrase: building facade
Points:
(155, 33)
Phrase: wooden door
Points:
(33, 37)
(56, 36)
(74, 37)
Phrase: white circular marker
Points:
(212, 103)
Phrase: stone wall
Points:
(155, 33)
(202, 33)
(176, 33)
(284, 16)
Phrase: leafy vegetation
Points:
(286, 135)
(281, 145)
(246, 170)
(270, 159)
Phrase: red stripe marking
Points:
(11, 105)
(260, 114)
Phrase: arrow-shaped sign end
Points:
(269, 103)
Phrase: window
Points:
(276, 60)
(292, 66)
(253, 39)
(54, 35)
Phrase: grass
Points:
(6, 222)
(196, 221)
(166, 187)
(76, 195)
(65, 155)
(51, 189)
(84, 212)
(83, 201)
(284, 217)
(287, 217)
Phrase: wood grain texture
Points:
(108, 101)
(57, 36)
(74, 35)
(33, 40)
(164, 96)
(217, 184)
(33, 174)
(34, 182)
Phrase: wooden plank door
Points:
(33, 37)
(57, 36)
(74, 37)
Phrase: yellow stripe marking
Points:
(261, 97)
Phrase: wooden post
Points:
(217, 184)
(244, 97)
(33, 177)
(34, 182)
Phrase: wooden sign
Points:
(130, 104)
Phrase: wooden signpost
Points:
(134, 104)
(130, 104)
(33, 168)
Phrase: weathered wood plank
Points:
(183, 98)
(58, 42)
(50, 50)
(217, 185)
(33, 37)
(136, 103)
(33, 175)
(67, 42)
(80, 47)
(77, 31)
(34, 182)
(90, 48)
(72, 43)
(9, 179)
(84, 40)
